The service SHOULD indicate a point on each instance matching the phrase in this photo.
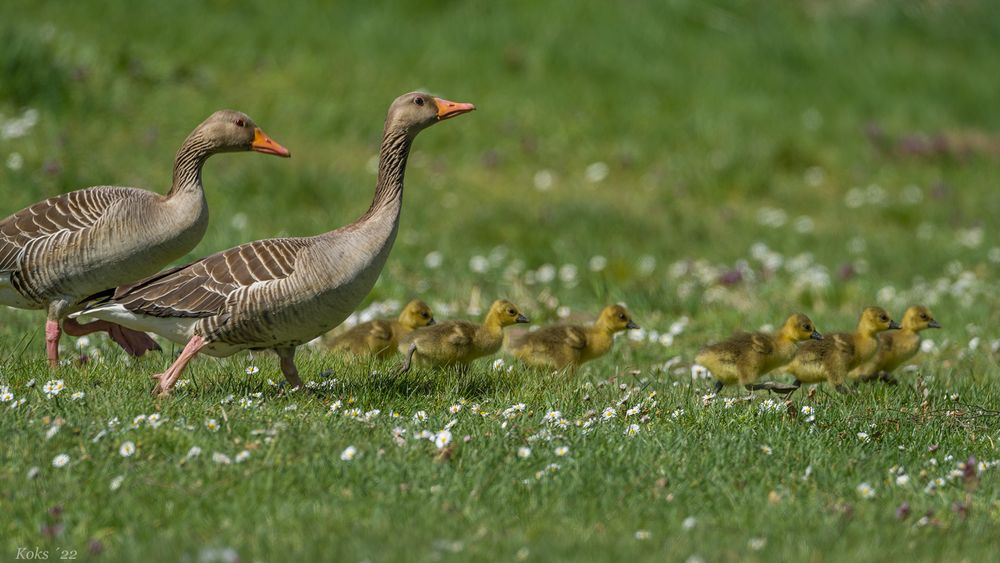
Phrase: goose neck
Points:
(393, 154)
(188, 164)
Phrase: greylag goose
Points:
(569, 346)
(379, 338)
(58, 253)
(279, 293)
(457, 343)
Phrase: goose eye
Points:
(511, 312)
(419, 101)
(924, 317)
(621, 316)
(884, 318)
(806, 327)
(241, 123)
(424, 315)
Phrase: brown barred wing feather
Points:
(201, 289)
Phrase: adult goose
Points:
(58, 253)
(279, 293)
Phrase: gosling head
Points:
(798, 327)
(918, 318)
(417, 111)
(615, 318)
(505, 313)
(416, 314)
(875, 319)
(232, 131)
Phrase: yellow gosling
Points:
(456, 343)
(568, 346)
(832, 358)
(895, 348)
(380, 338)
(746, 356)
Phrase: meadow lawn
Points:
(713, 165)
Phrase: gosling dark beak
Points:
(447, 110)
(263, 143)
(431, 322)
(933, 324)
(521, 319)
(816, 335)
(893, 325)
(631, 324)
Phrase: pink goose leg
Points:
(167, 379)
(52, 333)
(287, 356)
(134, 342)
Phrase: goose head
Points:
(416, 314)
(233, 131)
(505, 313)
(875, 319)
(799, 327)
(615, 318)
(918, 318)
(417, 111)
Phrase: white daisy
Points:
(349, 453)
(153, 420)
(866, 491)
(524, 452)
(221, 458)
(455, 409)
(212, 425)
(562, 451)
(194, 452)
(78, 395)
(442, 439)
(53, 387)
(116, 483)
(242, 456)
(609, 413)
(5, 395)
(552, 416)
(420, 416)
(126, 449)
(60, 460)
(632, 430)
(252, 370)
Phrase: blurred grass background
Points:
(702, 112)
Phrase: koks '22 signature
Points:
(41, 554)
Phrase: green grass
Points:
(709, 116)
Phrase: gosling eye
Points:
(884, 318)
(807, 328)
(621, 316)
(511, 312)
(923, 316)
(424, 314)
(418, 100)
(240, 122)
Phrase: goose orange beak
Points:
(263, 143)
(447, 110)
